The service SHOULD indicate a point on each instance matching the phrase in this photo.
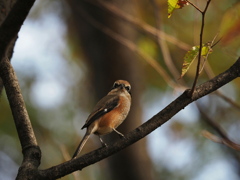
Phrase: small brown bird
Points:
(108, 113)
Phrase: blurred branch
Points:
(162, 43)
(132, 46)
(156, 121)
(223, 139)
(210, 74)
(227, 99)
(210, 122)
(137, 23)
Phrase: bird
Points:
(108, 113)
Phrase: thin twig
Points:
(200, 47)
(216, 42)
(210, 46)
(195, 6)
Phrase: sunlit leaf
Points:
(175, 4)
(171, 6)
(206, 49)
(192, 54)
(188, 59)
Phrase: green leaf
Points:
(191, 55)
(172, 4)
(189, 58)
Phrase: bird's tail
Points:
(81, 144)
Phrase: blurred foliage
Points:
(57, 127)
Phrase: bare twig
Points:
(200, 46)
(197, 8)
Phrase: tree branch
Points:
(8, 33)
(156, 121)
(17, 105)
(12, 24)
(223, 139)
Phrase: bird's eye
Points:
(128, 88)
(115, 85)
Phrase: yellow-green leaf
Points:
(172, 4)
(175, 4)
(191, 55)
(206, 49)
(188, 59)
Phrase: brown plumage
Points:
(108, 113)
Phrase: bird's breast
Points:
(115, 117)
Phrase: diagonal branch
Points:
(223, 139)
(137, 23)
(156, 121)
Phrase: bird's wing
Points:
(105, 105)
